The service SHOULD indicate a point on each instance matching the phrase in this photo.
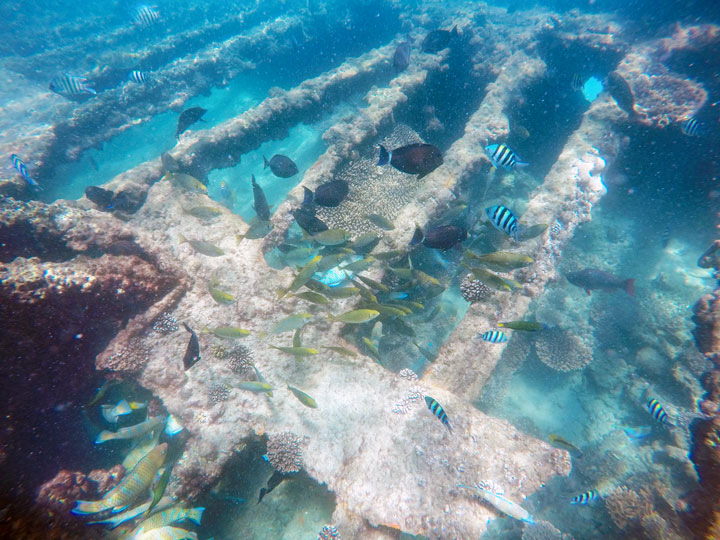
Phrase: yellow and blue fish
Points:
(438, 411)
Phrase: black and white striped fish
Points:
(22, 169)
(501, 155)
(692, 127)
(494, 336)
(438, 411)
(576, 83)
(71, 85)
(503, 219)
(585, 498)
(657, 412)
(556, 227)
(139, 77)
(146, 16)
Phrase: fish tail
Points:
(181, 238)
(266, 163)
(83, 508)
(104, 436)
(519, 163)
(195, 515)
(384, 156)
(417, 236)
(629, 286)
(308, 197)
(90, 90)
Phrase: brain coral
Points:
(562, 350)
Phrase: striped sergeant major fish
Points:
(22, 169)
(146, 16)
(438, 411)
(135, 485)
(494, 336)
(692, 127)
(139, 77)
(503, 220)
(584, 498)
(501, 155)
(657, 412)
(71, 85)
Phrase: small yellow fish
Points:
(293, 322)
(297, 351)
(341, 292)
(380, 221)
(304, 275)
(203, 247)
(254, 386)
(219, 296)
(559, 441)
(340, 350)
(185, 181)
(331, 237)
(311, 296)
(372, 348)
(358, 316)
(228, 332)
(203, 212)
(303, 397)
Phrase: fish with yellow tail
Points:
(303, 398)
(130, 489)
(500, 503)
(131, 432)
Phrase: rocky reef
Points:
(88, 293)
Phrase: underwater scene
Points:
(361, 270)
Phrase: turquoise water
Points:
(651, 225)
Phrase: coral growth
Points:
(241, 358)
(284, 452)
(627, 507)
(328, 532)
(60, 493)
(474, 290)
(562, 350)
(219, 393)
(165, 324)
(129, 359)
(542, 530)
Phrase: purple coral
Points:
(284, 452)
(328, 532)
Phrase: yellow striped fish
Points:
(168, 517)
(141, 449)
(135, 485)
(130, 432)
(118, 519)
(166, 533)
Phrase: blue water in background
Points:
(665, 192)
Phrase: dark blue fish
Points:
(187, 118)
(329, 194)
(146, 16)
(70, 85)
(504, 220)
(139, 77)
(416, 158)
(621, 92)
(261, 206)
(437, 40)
(584, 498)
(401, 59)
(281, 166)
(438, 411)
(100, 196)
(442, 237)
(501, 155)
(494, 336)
(22, 169)
(192, 353)
(692, 128)
(592, 278)
(657, 412)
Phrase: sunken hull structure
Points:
(68, 269)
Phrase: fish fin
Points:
(384, 156)
(123, 407)
(588, 291)
(252, 178)
(422, 175)
(519, 163)
(266, 163)
(239, 238)
(84, 508)
(629, 286)
(104, 436)
(181, 238)
(454, 31)
(417, 236)
(308, 197)
(195, 515)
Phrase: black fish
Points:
(437, 40)
(416, 158)
(127, 248)
(128, 201)
(188, 118)
(305, 217)
(274, 482)
(192, 353)
(100, 196)
(592, 278)
(281, 166)
(261, 206)
(401, 59)
(621, 93)
(441, 237)
(328, 194)
(170, 164)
